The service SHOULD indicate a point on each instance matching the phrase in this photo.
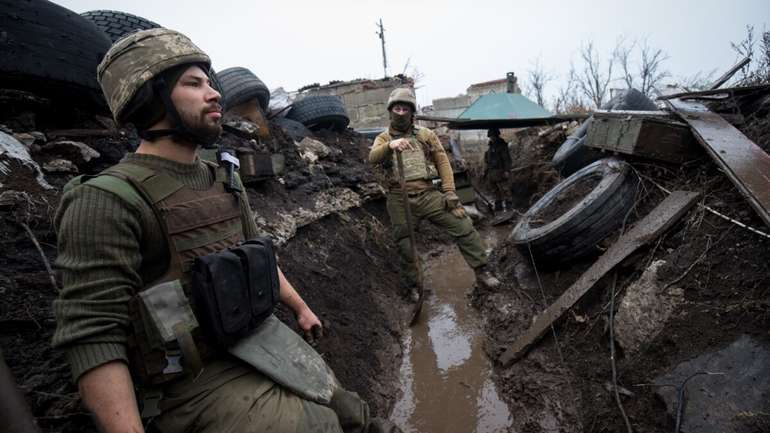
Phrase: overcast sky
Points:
(451, 43)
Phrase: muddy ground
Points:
(331, 246)
(562, 385)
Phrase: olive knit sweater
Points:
(108, 250)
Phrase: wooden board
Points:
(647, 230)
(745, 163)
(646, 135)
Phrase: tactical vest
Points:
(417, 166)
(194, 223)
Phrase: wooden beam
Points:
(760, 88)
(645, 231)
(727, 75)
(745, 163)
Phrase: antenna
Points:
(381, 34)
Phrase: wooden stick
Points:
(51, 274)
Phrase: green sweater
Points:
(108, 249)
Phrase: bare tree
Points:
(649, 70)
(538, 79)
(591, 80)
(568, 98)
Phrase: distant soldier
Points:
(424, 159)
(497, 171)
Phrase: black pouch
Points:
(235, 290)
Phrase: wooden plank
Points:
(760, 88)
(745, 163)
(647, 230)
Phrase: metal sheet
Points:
(647, 230)
(745, 163)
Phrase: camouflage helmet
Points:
(138, 58)
(404, 95)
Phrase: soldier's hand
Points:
(311, 327)
(459, 212)
(401, 145)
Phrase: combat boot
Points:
(485, 278)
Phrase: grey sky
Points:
(452, 43)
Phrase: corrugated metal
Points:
(503, 106)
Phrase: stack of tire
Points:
(574, 154)
(51, 51)
(321, 112)
(603, 193)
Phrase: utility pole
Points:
(381, 34)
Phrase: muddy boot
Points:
(498, 205)
(485, 278)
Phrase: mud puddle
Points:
(446, 377)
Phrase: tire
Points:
(50, 51)
(295, 130)
(240, 85)
(118, 24)
(573, 155)
(320, 112)
(632, 100)
(597, 214)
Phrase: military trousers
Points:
(429, 205)
(499, 183)
(231, 397)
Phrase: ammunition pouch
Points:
(234, 290)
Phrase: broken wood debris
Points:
(648, 229)
(83, 133)
(727, 75)
(744, 163)
(735, 91)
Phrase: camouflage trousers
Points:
(429, 204)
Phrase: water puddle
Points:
(446, 376)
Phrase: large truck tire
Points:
(51, 51)
(320, 112)
(240, 85)
(573, 154)
(578, 213)
(116, 24)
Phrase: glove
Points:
(453, 205)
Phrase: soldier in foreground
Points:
(424, 159)
(167, 290)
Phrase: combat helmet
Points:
(403, 95)
(132, 75)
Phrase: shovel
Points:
(412, 243)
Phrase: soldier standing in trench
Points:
(424, 159)
(497, 170)
(147, 218)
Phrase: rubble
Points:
(645, 308)
(721, 391)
